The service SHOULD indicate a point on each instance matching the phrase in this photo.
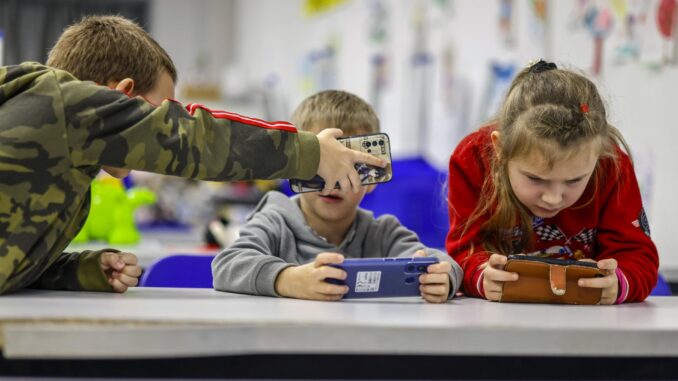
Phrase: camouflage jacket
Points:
(55, 134)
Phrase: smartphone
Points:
(382, 277)
(374, 144)
(550, 280)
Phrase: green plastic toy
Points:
(111, 216)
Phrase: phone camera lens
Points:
(381, 142)
(367, 144)
(421, 268)
(374, 144)
(410, 268)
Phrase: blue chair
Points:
(190, 271)
(662, 288)
(417, 196)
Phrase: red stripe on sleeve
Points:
(280, 125)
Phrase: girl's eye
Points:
(535, 179)
(572, 182)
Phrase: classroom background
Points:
(434, 70)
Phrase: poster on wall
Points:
(315, 7)
(378, 37)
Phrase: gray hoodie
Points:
(276, 236)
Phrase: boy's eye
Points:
(572, 182)
(535, 179)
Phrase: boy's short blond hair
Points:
(336, 109)
(111, 48)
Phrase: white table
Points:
(170, 323)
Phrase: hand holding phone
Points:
(377, 145)
(549, 280)
(382, 277)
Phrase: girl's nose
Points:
(552, 197)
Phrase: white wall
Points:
(273, 37)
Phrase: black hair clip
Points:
(542, 66)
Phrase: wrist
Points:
(283, 280)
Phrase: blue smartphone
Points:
(382, 277)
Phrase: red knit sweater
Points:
(605, 223)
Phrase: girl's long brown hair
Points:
(555, 112)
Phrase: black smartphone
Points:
(374, 144)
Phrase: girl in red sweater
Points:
(549, 178)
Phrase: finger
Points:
(442, 267)
(118, 286)
(345, 184)
(354, 179)
(362, 157)
(334, 132)
(603, 282)
(331, 272)
(331, 289)
(434, 278)
(607, 264)
(587, 260)
(127, 280)
(497, 261)
(492, 274)
(328, 259)
(128, 258)
(437, 290)
(608, 295)
(493, 290)
(132, 270)
(112, 260)
(419, 253)
(433, 298)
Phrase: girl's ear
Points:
(126, 86)
(495, 142)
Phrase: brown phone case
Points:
(547, 281)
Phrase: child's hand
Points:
(494, 277)
(337, 163)
(609, 283)
(121, 270)
(308, 281)
(435, 285)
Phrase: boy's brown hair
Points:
(111, 48)
(336, 109)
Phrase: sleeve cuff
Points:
(478, 280)
(90, 275)
(268, 273)
(308, 156)
(623, 290)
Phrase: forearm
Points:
(247, 272)
(77, 272)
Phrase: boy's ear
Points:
(126, 86)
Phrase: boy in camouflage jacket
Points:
(57, 132)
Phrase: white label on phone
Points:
(367, 281)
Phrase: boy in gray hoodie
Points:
(287, 245)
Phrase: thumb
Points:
(420, 253)
(328, 258)
(334, 132)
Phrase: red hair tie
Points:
(584, 107)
